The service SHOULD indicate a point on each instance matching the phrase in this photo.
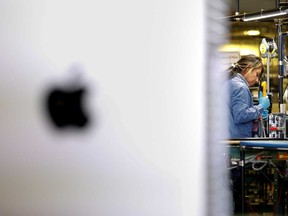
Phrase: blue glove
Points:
(265, 114)
(263, 101)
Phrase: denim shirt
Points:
(242, 111)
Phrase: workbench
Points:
(263, 160)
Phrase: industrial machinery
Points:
(277, 125)
(259, 166)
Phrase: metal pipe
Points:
(242, 161)
(273, 13)
(277, 3)
(283, 4)
(237, 7)
(268, 72)
(281, 65)
(280, 62)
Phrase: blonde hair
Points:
(246, 61)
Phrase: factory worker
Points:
(243, 114)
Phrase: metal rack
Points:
(272, 155)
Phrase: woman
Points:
(242, 112)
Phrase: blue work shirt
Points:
(242, 111)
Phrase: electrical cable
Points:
(233, 167)
(259, 162)
(285, 89)
(279, 197)
(252, 157)
(276, 168)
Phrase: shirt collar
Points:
(242, 78)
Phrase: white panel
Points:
(143, 65)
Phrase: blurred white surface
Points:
(143, 154)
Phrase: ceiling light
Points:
(252, 32)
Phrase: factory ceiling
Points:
(267, 28)
(247, 6)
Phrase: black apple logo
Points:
(64, 101)
(65, 107)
